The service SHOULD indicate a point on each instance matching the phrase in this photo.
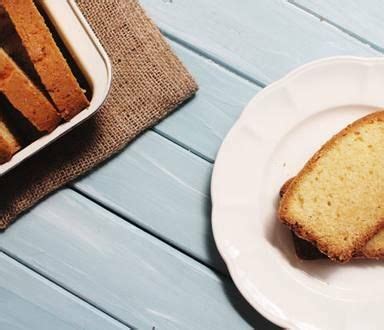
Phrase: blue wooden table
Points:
(130, 245)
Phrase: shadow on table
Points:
(214, 257)
(242, 307)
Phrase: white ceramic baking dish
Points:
(92, 60)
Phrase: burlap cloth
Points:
(148, 83)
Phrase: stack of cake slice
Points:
(35, 78)
(336, 202)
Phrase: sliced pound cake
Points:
(8, 143)
(11, 43)
(336, 200)
(25, 96)
(374, 249)
(50, 64)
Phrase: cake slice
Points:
(8, 142)
(25, 96)
(304, 250)
(12, 45)
(374, 249)
(336, 200)
(50, 64)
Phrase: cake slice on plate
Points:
(374, 249)
(336, 200)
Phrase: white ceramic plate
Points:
(278, 131)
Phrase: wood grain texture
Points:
(28, 301)
(261, 39)
(364, 19)
(122, 270)
(202, 123)
(162, 188)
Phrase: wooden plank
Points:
(122, 270)
(164, 189)
(261, 39)
(364, 19)
(202, 123)
(28, 301)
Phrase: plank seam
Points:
(212, 58)
(336, 26)
(182, 145)
(148, 231)
(226, 67)
(62, 287)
